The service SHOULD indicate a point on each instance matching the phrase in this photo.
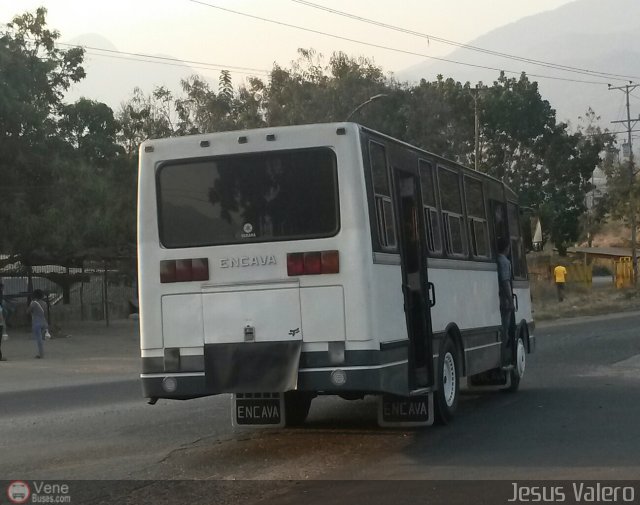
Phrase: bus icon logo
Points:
(18, 492)
(248, 228)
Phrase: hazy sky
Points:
(190, 30)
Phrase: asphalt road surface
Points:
(575, 417)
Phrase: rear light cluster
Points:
(184, 270)
(313, 263)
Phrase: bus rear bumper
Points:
(228, 368)
(387, 378)
(390, 378)
(179, 386)
(262, 367)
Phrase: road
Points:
(575, 417)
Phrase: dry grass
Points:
(581, 300)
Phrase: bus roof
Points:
(350, 125)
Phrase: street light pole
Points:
(372, 99)
(475, 92)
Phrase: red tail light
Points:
(184, 270)
(200, 269)
(330, 262)
(167, 271)
(295, 264)
(313, 263)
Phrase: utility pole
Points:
(627, 89)
(474, 94)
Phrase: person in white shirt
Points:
(38, 321)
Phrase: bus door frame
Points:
(418, 294)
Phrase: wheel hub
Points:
(449, 379)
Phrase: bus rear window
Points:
(286, 195)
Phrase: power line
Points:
(165, 59)
(379, 46)
(170, 64)
(162, 60)
(532, 61)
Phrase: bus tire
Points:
(448, 380)
(519, 363)
(296, 407)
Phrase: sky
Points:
(192, 30)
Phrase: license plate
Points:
(405, 410)
(258, 409)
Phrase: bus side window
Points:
(382, 196)
(476, 212)
(518, 258)
(452, 214)
(430, 208)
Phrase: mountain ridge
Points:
(580, 34)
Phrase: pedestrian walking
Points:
(39, 323)
(560, 277)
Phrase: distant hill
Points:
(112, 80)
(590, 34)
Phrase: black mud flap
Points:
(405, 411)
(258, 410)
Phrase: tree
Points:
(546, 165)
(439, 118)
(145, 117)
(90, 131)
(67, 187)
(570, 160)
(622, 190)
(35, 75)
(313, 91)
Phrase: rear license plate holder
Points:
(258, 410)
(405, 411)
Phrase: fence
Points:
(92, 291)
(623, 272)
(541, 269)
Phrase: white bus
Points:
(283, 263)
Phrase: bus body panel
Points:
(182, 320)
(386, 289)
(252, 313)
(469, 294)
(323, 314)
(524, 310)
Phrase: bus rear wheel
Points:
(519, 363)
(448, 377)
(296, 407)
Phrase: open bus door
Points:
(416, 409)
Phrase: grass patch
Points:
(581, 300)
